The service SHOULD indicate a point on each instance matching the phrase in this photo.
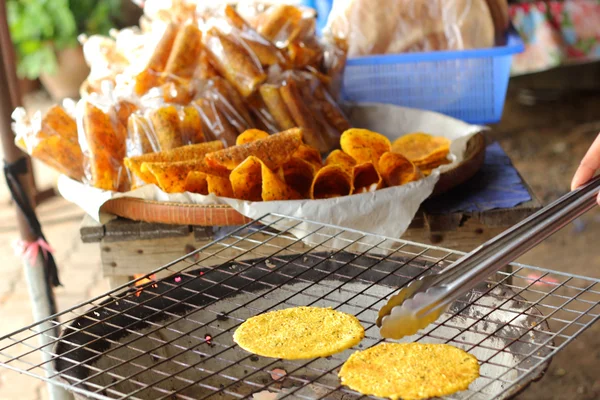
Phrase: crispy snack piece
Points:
(191, 126)
(331, 181)
(196, 183)
(310, 155)
(150, 76)
(338, 157)
(366, 178)
(184, 153)
(252, 180)
(299, 333)
(203, 183)
(106, 149)
(187, 46)
(427, 370)
(167, 127)
(171, 176)
(251, 135)
(299, 175)
(364, 145)
(273, 151)
(302, 115)
(219, 186)
(397, 170)
(276, 106)
(234, 62)
(422, 148)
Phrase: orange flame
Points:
(143, 281)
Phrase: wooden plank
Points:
(90, 230)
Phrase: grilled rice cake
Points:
(299, 333)
(409, 371)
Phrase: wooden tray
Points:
(223, 215)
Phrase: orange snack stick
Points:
(366, 178)
(397, 170)
(216, 125)
(150, 76)
(331, 181)
(251, 135)
(191, 126)
(276, 106)
(106, 149)
(234, 63)
(184, 153)
(364, 145)
(266, 53)
(302, 115)
(331, 111)
(231, 100)
(167, 127)
(252, 180)
(273, 151)
(185, 53)
(177, 92)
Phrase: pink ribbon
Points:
(30, 250)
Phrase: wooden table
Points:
(131, 247)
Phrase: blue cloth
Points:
(496, 185)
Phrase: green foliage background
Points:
(41, 27)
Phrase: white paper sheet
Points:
(387, 212)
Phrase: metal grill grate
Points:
(172, 338)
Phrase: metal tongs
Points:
(424, 300)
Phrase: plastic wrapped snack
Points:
(283, 24)
(234, 62)
(228, 101)
(51, 139)
(184, 56)
(263, 49)
(302, 101)
(398, 26)
(151, 75)
(103, 145)
(215, 124)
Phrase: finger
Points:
(589, 165)
(598, 199)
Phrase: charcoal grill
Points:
(172, 338)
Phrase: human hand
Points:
(588, 166)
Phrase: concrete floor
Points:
(546, 142)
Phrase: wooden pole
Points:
(40, 290)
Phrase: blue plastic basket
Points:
(469, 85)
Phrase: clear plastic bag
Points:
(51, 138)
(298, 98)
(102, 138)
(399, 26)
